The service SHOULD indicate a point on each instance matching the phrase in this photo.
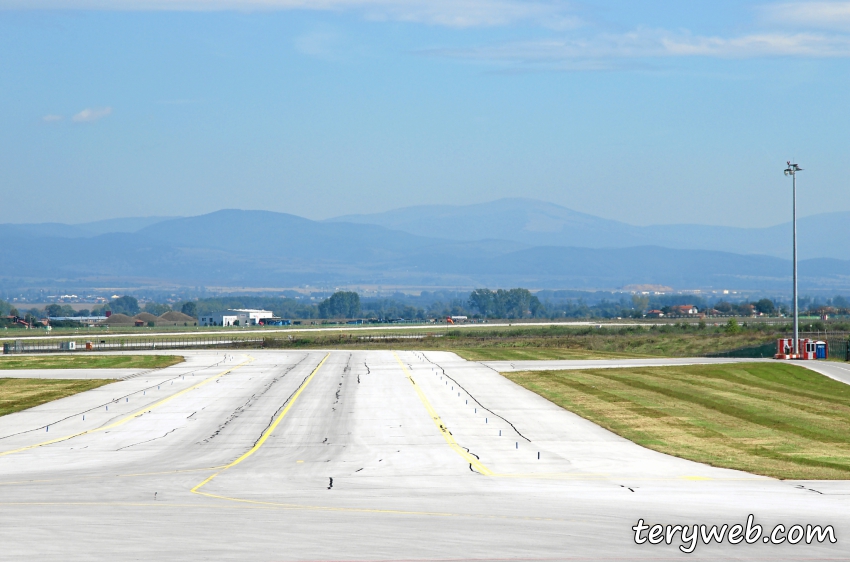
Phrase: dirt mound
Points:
(146, 317)
(174, 316)
(119, 319)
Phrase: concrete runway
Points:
(273, 455)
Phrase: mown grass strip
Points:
(88, 361)
(537, 354)
(773, 419)
(20, 394)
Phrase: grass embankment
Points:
(552, 342)
(88, 361)
(765, 418)
(536, 354)
(20, 394)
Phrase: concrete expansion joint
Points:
(282, 406)
(476, 400)
(250, 402)
(105, 405)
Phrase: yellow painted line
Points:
(444, 431)
(132, 416)
(266, 433)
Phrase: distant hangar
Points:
(236, 317)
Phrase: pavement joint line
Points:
(264, 436)
(132, 416)
(444, 431)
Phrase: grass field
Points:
(88, 361)
(536, 354)
(20, 394)
(772, 419)
(553, 342)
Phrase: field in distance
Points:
(773, 419)
(545, 342)
(82, 361)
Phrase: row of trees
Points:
(480, 303)
(342, 304)
(514, 303)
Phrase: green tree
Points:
(640, 302)
(157, 309)
(482, 300)
(190, 308)
(732, 327)
(723, 307)
(766, 306)
(124, 305)
(53, 310)
(342, 304)
(514, 303)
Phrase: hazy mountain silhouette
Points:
(538, 223)
(266, 249)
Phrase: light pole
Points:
(792, 170)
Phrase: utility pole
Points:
(792, 170)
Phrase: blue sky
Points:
(646, 112)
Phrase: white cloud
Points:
(603, 51)
(822, 15)
(321, 44)
(91, 114)
(452, 13)
(52, 118)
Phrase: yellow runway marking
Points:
(132, 416)
(444, 431)
(265, 434)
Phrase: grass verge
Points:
(20, 394)
(553, 342)
(772, 419)
(88, 361)
(536, 354)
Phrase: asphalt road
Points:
(360, 456)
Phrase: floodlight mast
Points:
(792, 170)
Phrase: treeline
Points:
(480, 304)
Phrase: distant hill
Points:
(539, 223)
(82, 230)
(265, 249)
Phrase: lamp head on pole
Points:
(792, 169)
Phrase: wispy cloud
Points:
(452, 13)
(52, 118)
(606, 51)
(820, 15)
(321, 44)
(91, 114)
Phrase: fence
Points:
(839, 346)
(130, 344)
(765, 350)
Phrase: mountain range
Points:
(511, 242)
(538, 223)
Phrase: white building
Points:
(230, 317)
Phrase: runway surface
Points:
(380, 455)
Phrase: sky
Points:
(646, 112)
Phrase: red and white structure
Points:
(809, 349)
